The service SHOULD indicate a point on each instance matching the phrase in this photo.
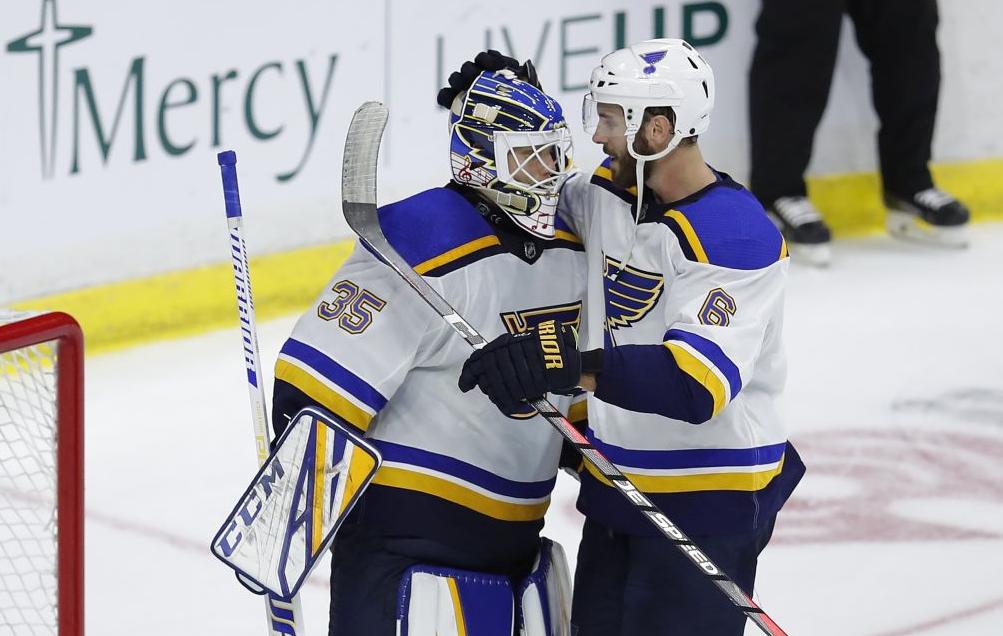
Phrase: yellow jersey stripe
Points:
(438, 487)
(567, 236)
(578, 411)
(696, 369)
(783, 249)
(319, 485)
(605, 173)
(454, 594)
(666, 484)
(322, 394)
(456, 253)
(690, 233)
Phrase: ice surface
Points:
(895, 399)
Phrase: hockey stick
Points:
(358, 193)
(284, 616)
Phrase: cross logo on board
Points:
(46, 41)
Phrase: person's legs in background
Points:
(899, 37)
(789, 85)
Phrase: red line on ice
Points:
(944, 620)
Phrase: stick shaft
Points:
(284, 616)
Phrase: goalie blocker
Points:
(288, 516)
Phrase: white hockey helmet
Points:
(665, 72)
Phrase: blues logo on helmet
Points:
(509, 140)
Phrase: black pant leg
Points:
(365, 582)
(788, 88)
(666, 594)
(597, 599)
(899, 37)
(627, 585)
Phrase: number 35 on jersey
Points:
(353, 309)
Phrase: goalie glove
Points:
(513, 369)
(490, 60)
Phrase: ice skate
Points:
(807, 235)
(930, 216)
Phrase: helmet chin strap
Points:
(639, 174)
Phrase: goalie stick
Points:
(358, 193)
(285, 616)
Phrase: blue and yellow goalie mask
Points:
(509, 141)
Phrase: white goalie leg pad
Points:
(545, 595)
(287, 518)
(437, 601)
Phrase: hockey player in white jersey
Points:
(446, 540)
(681, 352)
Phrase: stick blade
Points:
(362, 148)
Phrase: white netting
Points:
(28, 550)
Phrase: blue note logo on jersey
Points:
(630, 294)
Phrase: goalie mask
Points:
(509, 141)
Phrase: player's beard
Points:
(624, 172)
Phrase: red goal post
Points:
(41, 474)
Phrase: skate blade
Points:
(907, 226)
(816, 255)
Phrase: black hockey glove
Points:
(512, 369)
(490, 60)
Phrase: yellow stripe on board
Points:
(322, 394)
(186, 303)
(691, 235)
(456, 253)
(190, 302)
(420, 482)
(664, 484)
(461, 624)
(851, 203)
(34, 359)
(700, 372)
(319, 486)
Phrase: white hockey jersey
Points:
(693, 358)
(372, 352)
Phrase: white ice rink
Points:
(894, 398)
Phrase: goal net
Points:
(41, 475)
